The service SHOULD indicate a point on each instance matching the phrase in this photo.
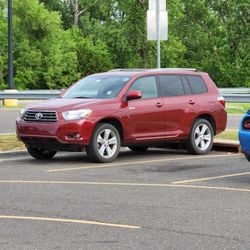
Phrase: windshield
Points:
(97, 87)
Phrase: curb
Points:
(227, 146)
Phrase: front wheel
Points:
(105, 143)
(201, 137)
(41, 154)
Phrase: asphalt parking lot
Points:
(162, 199)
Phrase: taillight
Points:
(246, 123)
(221, 100)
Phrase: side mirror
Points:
(133, 95)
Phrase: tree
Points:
(57, 41)
(92, 56)
(63, 7)
(3, 46)
(217, 39)
(44, 53)
(234, 20)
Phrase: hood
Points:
(61, 104)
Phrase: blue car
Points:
(244, 135)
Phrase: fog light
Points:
(70, 136)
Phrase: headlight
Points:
(76, 114)
(22, 112)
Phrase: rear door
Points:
(179, 104)
(146, 115)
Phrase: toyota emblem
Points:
(39, 116)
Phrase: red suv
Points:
(133, 108)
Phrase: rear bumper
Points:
(221, 121)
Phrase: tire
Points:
(105, 143)
(247, 155)
(200, 140)
(138, 148)
(41, 154)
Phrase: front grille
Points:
(40, 116)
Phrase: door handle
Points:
(159, 104)
(192, 102)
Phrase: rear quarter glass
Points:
(212, 87)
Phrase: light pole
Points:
(10, 53)
(158, 34)
(157, 25)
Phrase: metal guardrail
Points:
(241, 95)
(237, 98)
(234, 90)
(30, 94)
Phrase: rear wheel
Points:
(105, 143)
(41, 154)
(201, 137)
(138, 148)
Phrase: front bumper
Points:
(60, 132)
(244, 137)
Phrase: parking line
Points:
(97, 223)
(89, 183)
(210, 178)
(215, 188)
(140, 162)
(127, 184)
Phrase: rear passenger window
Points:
(171, 85)
(197, 85)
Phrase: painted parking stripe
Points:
(127, 184)
(141, 162)
(210, 178)
(97, 223)
(216, 188)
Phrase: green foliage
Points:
(217, 39)
(92, 56)
(58, 41)
(45, 53)
(3, 48)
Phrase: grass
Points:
(10, 142)
(237, 108)
(229, 134)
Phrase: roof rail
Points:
(156, 69)
(174, 69)
(128, 70)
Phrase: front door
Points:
(145, 115)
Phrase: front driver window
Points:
(147, 86)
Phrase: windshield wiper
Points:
(83, 97)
